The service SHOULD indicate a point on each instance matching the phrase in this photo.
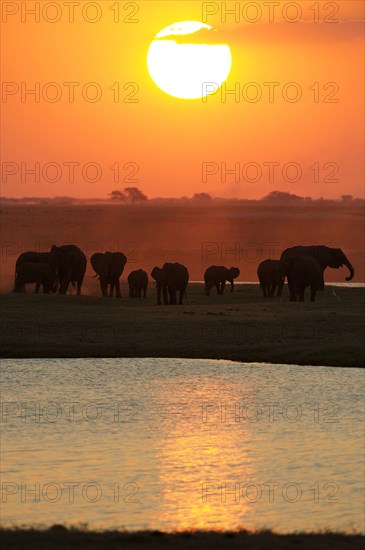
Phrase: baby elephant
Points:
(302, 271)
(217, 275)
(43, 274)
(138, 282)
(270, 274)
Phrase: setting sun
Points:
(182, 274)
(186, 62)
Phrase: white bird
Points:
(334, 293)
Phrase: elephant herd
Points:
(303, 266)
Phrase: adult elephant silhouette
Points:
(270, 274)
(34, 258)
(325, 256)
(71, 266)
(302, 271)
(109, 266)
(44, 274)
(171, 279)
(217, 275)
(138, 282)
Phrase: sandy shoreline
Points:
(242, 326)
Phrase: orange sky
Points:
(169, 139)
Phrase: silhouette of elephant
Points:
(44, 274)
(33, 257)
(325, 256)
(217, 275)
(109, 267)
(71, 266)
(302, 271)
(170, 279)
(138, 282)
(270, 274)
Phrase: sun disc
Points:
(185, 56)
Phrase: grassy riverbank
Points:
(59, 538)
(242, 326)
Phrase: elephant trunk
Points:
(351, 269)
(159, 294)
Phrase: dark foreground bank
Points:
(240, 326)
(60, 538)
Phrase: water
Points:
(176, 444)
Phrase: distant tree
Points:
(281, 196)
(118, 196)
(202, 197)
(134, 194)
(346, 198)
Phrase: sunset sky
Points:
(162, 142)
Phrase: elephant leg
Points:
(218, 287)
(264, 290)
(144, 291)
(47, 287)
(208, 287)
(117, 288)
(78, 286)
(181, 296)
(130, 292)
(64, 286)
(103, 286)
(292, 292)
(159, 294)
(18, 286)
(37, 287)
(165, 295)
(223, 286)
(313, 292)
(272, 290)
(280, 288)
(172, 295)
(66, 279)
(301, 294)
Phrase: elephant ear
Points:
(97, 260)
(120, 258)
(156, 273)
